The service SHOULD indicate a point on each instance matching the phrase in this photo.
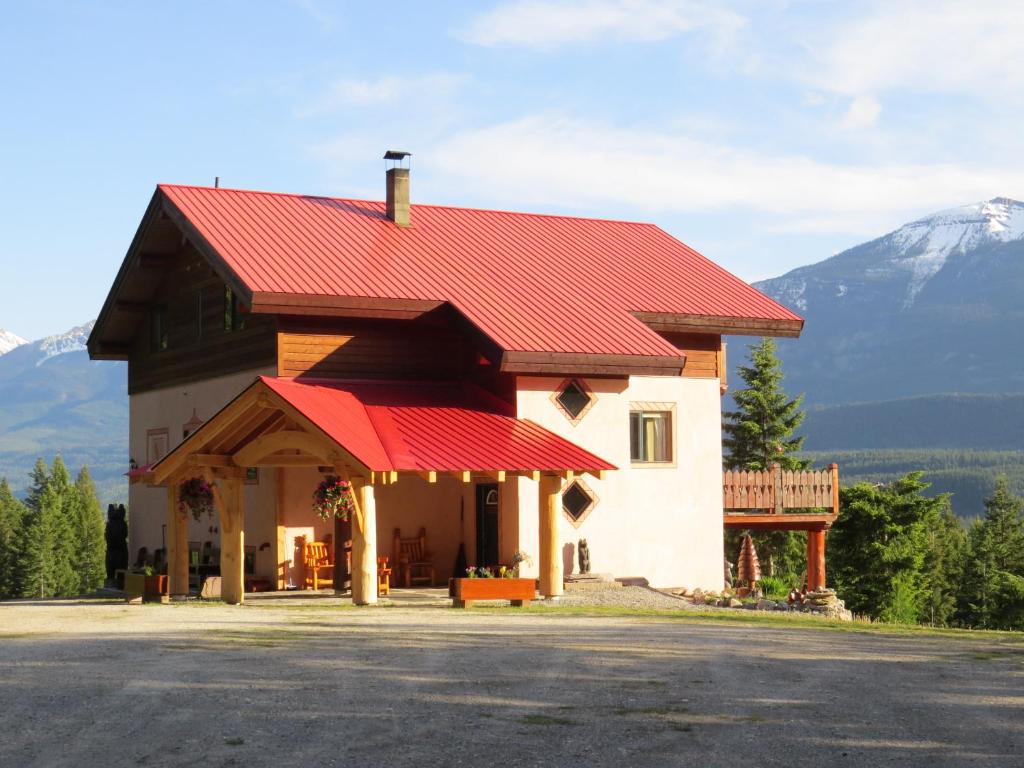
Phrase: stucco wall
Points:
(660, 522)
(171, 408)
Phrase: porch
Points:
(414, 454)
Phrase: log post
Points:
(177, 544)
(364, 545)
(549, 500)
(833, 470)
(232, 542)
(815, 560)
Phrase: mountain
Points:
(9, 341)
(933, 307)
(55, 400)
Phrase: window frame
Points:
(159, 337)
(588, 491)
(233, 319)
(580, 384)
(671, 446)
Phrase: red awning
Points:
(429, 426)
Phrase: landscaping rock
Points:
(734, 603)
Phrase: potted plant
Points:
(195, 495)
(143, 583)
(482, 583)
(333, 498)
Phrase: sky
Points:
(767, 134)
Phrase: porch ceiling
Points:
(374, 427)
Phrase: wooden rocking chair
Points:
(317, 560)
(413, 560)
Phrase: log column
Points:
(232, 542)
(815, 560)
(364, 545)
(549, 500)
(177, 545)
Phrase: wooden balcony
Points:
(781, 500)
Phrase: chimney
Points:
(397, 176)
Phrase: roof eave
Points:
(729, 326)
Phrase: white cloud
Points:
(926, 46)
(862, 113)
(384, 90)
(566, 163)
(547, 24)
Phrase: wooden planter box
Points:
(464, 592)
(138, 586)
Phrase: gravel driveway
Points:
(315, 684)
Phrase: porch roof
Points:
(378, 426)
(429, 426)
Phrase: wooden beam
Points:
(466, 476)
(364, 542)
(289, 461)
(232, 542)
(549, 502)
(535, 475)
(569, 475)
(286, 440)
(134, 307)
(177, 545)
(498, 475)
(430, 476)
(210, 460)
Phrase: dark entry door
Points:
(487, 525)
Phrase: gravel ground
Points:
(313, 683)
(625, 597)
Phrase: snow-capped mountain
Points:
(53, 398)
(9, 341)
(63, 343)
(931, 307)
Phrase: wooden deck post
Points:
(177, 545)
(364, 545)
(549, 501)
(232, 542)
(815, 560)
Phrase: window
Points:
(158, 328)
(234, 320)
(650, 436)
(573, 399)
(577, 501)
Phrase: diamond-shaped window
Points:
(577, 501)
(574, 399)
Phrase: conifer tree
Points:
(35, 548)
(40, 479)
(879, 548)
(59, 503)
(89, 535)
(756, 435)
(993, 592)
(10, 523)
(759, 432)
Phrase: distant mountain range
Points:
(53, 399)
(934, 307)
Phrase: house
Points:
(507, 381)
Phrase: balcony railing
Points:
(775, 490)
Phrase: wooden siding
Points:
(369, 349)
(705, 354)
(191, 355)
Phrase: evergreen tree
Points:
(756, 435)
(993, 592)
(10, 521)
(90, 560)
(759, 432)
(883, 552)
(34, 550)
(945, 557)
(40, 479)
(59, 502)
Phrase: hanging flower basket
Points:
(333, 498)
(196, 496)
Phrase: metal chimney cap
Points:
(396, 154)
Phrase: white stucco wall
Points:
(660, 522)
(171, 408)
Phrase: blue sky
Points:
(766, 134)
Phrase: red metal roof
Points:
(532, 283)
(429, 426)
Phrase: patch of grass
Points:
(545, 720)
